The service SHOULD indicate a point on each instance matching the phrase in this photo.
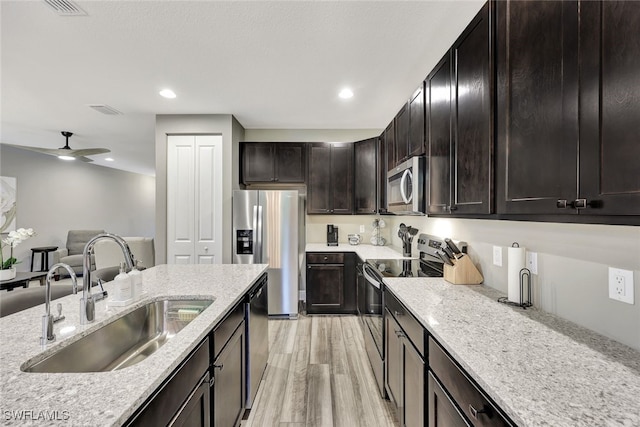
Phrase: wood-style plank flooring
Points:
(318, 374)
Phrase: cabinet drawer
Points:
(325, 258)
(412, 328)
(163, 406)
(225, 329)
(470, 400)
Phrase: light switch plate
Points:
(621, 285)
(497, 256)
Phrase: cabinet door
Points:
(258, 164)
(472, 178)
(537, 110)
(390, 145)
(416, 123)
(341, 179)
(402, 134)
(228, 386)
(439, 83)
(325, 288)
(393, 360)
(319, 179)
(366, 176)
(414, 386)
(610, 107)
(196, 411)
(289, 163)
(382, 174)
(442, 412)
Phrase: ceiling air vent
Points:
(105, 109)
(65, 8)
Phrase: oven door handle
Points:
(403, 186)
(369, 277)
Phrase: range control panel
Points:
(244, 242)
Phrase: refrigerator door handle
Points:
(257, 217)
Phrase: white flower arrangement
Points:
(12, 240)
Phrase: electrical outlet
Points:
(621, 285)
(497, 256)
(362, 228)
(532, 262)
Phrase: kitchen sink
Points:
(126, 341)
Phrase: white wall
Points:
(210, 124)
(55, 196)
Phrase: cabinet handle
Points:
(218, 367)
(326, 258)
(400, 334)
(275, 179)
(397, 313)
(561, 204)
(474, 412)
(578, 204)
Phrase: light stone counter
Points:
(109, 398)
(365, 252)
(540, 369)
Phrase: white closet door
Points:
(194, 199)
(208, 199)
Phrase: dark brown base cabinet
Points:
(228, 386)
(184, 398)
(405, 367)
(331, 283)
(463, 403)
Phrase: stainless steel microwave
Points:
(405, 187)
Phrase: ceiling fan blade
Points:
(88, 151)
(84, 159)
(50, 151)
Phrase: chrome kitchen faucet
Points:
(48, 319)
(87, 303)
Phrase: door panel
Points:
(180, 198)
(208, 198)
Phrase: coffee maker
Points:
(332, 235)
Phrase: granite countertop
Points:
(540, 369)
(109, 398)
(365, 252)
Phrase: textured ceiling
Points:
(270, 64)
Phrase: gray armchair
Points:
(72, 253)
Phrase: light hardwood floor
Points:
(318, 374)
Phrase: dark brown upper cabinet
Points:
(273, 162)
(537, 105)
(330, 178)
(460, 117)
(438, 84)
(402, 122)
(416, 124)
(390, 145)
(382, 174)
(366, 176)
(609, 108)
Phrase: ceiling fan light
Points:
(66, 158)
(167, 93)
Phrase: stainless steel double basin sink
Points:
(125, 341)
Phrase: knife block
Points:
(463, 272)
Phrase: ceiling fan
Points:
(66, 152)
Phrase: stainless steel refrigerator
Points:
(266, 231)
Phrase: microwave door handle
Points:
(403, 187)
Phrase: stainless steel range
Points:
(371, 302)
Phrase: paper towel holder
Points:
(525, 274)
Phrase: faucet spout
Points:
(47, 320)
(87, 303)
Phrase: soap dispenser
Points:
(122, 286)
(136, 281)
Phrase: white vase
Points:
(8, 274)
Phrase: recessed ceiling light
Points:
(167, 93)
(109, 159)
(66, 158)
(346, 93)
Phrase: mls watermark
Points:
(35, 415)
